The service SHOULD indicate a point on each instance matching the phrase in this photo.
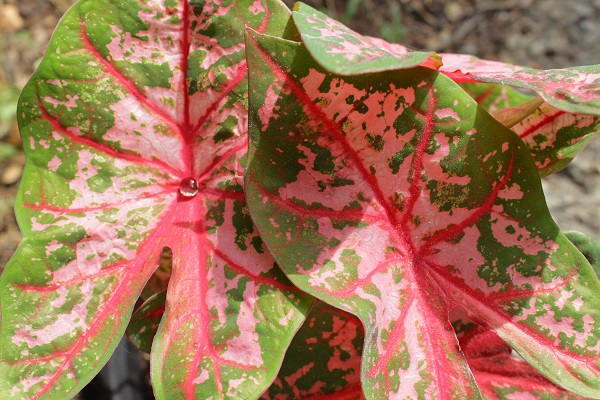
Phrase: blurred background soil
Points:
(536, 33)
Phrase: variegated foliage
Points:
(388, 196)
(394, 197)
(500, 373)
(134, 127)
(554, 130)
(324, 359)
(322, 362)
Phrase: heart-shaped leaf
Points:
(134, 126)
(393, 197)
(323, 360)
(574, 92)
(347, 52)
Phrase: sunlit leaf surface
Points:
(555, 132)
(393, 197)
(348, 52)
(135, 130)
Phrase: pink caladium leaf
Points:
(323, 361)
(498, 372)
(553, 136)
(557, 130)
(393, 197)
(345, 52)
(576, 89)
(348, 52)
(135, 129)
(574, 92)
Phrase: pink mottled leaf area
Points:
(324, 359)
(135, 130)
(554, 131)
(393, 197)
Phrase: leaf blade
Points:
(323, 359)
(340, 49)
(132, 101)
(571, 91)
(377, 375)
(438, 183)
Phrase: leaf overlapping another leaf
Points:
(393, 197)
(348, 52)
(572, 89)
(323, 361)
(494, 98)
(132, 98)
(502, 376)
(555, 132)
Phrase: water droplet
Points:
(188, 187)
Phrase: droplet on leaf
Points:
(188, 187)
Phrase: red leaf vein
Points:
(102, 148)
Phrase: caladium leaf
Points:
(323, 361)
(553, 136)
(573, 93)
(500, 375)
(145, 321)
(494, 97)
(134, 126)
(559, 128)
(574, 89)
(348, 52)
(392, 197)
